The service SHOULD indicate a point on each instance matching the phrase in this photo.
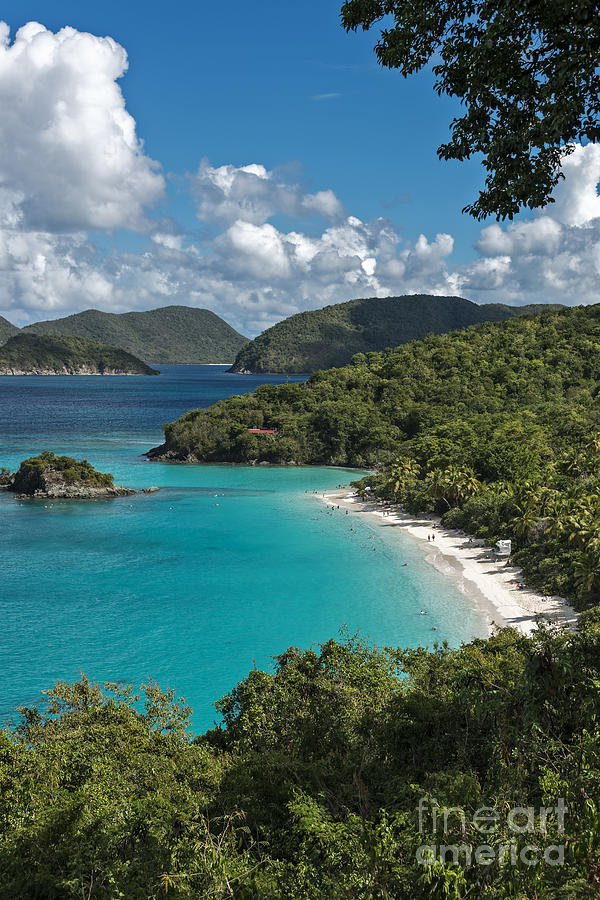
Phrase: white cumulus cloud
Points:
(253, 194)
(576, 196)
(68, 146)
(553, 256)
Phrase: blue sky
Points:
(236, 83)
(284, 88)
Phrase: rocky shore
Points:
(50, 477)
(165, 453)
(73, 492)
(68, 370)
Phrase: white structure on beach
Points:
(503, 548)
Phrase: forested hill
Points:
(312, 786)
(327, 337)
(32, 354)
(7, 330)
(171, 334)
(361, 414)
(497, 425)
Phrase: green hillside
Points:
(327, 337)
(7, 330)
(172, 334)
(497, 426)
(35, 354)
(320, 781)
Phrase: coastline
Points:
(498, 589)
(18, 373)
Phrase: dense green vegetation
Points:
(311, 786)
(172, 334)
(524, 105)
(73, 471)
(7, 330)
(69, 355)
(497, 427)
(327, 337)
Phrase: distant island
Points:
(171, 334)
(30, 354)
(61, 477)
(327, 337)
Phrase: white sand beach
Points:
(497, 587)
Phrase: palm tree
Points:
(557, 515)
(453, 484)
(583, 531)
(587, 572)
(524, 522)
(593, 444)
(582, 521)
(400, 472)
(438, 486)
(468, 484)
(548, 498)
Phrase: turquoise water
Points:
(224, 567)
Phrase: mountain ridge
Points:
(331, 336)
(168, 334)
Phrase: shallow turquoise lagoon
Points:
(222, 569)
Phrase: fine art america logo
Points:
(518, 821)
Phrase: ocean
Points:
(221, 570)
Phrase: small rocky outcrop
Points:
(61, 477)
(164, 453)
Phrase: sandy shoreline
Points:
(497, 588)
